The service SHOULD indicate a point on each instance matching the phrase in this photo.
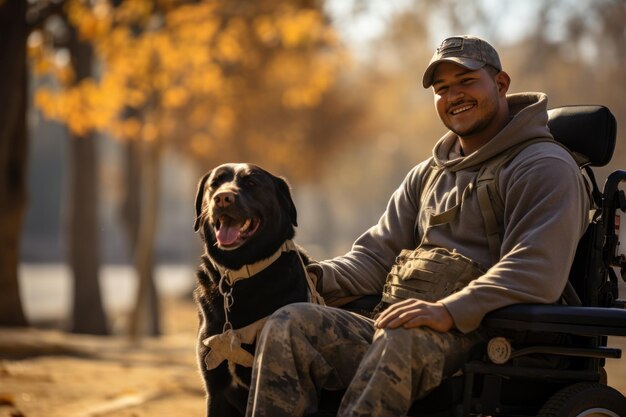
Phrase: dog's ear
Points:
(199, 197)
(284, 196)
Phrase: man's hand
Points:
(415, 313)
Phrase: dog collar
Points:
(247, 271)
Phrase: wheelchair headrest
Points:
(588, 130)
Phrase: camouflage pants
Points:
(306, 347)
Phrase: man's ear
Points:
(503, 81)
(284, 196)
(199, 198)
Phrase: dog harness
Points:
(227, 345)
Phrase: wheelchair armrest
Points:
(587, 321)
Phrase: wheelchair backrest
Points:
(587, 130)
(590, 131)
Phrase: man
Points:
(386, 364)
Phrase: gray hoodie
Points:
(546, 209)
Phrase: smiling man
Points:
(452, 245)
(470, 86)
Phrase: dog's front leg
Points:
(218, 386)
(219, 406)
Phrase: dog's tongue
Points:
(228, 233)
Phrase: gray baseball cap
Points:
(467, 51)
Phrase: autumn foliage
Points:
(221, 80)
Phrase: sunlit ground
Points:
(55, 374)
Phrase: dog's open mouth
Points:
(232, 233)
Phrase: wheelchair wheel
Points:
(585, 399)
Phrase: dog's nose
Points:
(224, 198)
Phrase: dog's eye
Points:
(217, 181)
(248, 181)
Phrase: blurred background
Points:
(113, 109)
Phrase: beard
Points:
(473, 129)
(487, 111)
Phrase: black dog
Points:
(250, 268)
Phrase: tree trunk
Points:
(13, 155)
(88, 315)
(131, 210)
(145, 319)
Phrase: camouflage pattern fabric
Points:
(306, 347)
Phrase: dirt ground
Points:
(48, 373)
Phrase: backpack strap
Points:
(428, 182)
(489, 196)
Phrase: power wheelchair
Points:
(548, 360)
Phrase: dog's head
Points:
(243, 214)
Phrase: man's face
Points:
(467, 101)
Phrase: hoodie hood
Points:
(529, 112)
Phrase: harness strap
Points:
(247, 271)
(486, 179)
(250, 270)
(314, 296)
(489, 198)
(227, 345)
(492, 229)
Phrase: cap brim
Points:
(471, 64)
